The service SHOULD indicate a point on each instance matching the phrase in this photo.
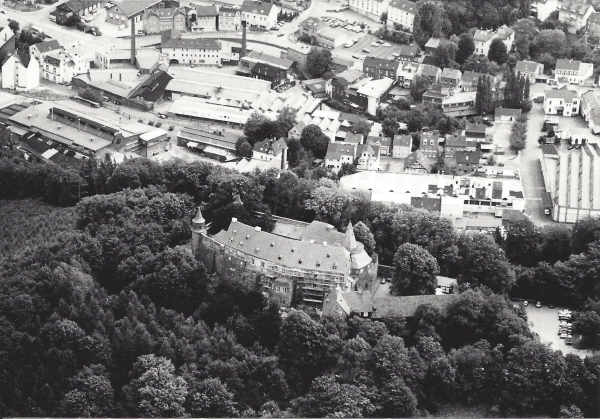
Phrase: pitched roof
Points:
(482, 35)
(406, 306)
(475, 128)
(376, 88)
(320, 232)
(451, 73)
(191, 43)
(404, 5)
(133, 7)
(562, 93)
(455, 140)
(268, 145)
(228, 11)
(166, 12)
(335, 151)
(418, 157)
(271, 59)
(573, 6)
(257, 7)
(349, 76)
(468, 157)
(47, 46)
(354, 138)
(368, 148)
(283, 250)
(382, 141)
(265, 69)
(433, 43)
(549, 149)
(206, 11)
(470, 77)
(23, 57)
(383, 63)
(507, 112)
(403, 140)
(409, 51)
(429, 70)
(570, 65)
(313, 23)
(527, 66)
(153, 88)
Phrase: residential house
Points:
(430, 72)
(122, 13)
(354, 138)
(384, 144)
(466, 161)
(407, 73)
(370, 8)
(207, 19)
(268, 72)
(341, 81)
(475, 132)
(160, 20)
(452, 145)
(373, 92)
(378, 68)
(402, 13)
(312, 25)
(7, 41)
(339, 154)
(459, 104)
(230, 19)
(432, 45)
(437, 93)
(593, 25)
(506, 114)
(469, 81)
(198, 51)
(451, 76)
(271, 149)
(317, 87)
(247, 63)
(339, 64)
(574, 71)
(259, 15)
(418, 162)
(562, 101)
(368, 156)
(408, 53)
(64, 11)
(575, 14)
(40, 49)
(20, 72)
(298, 53)
(446, 285)
(432, 145)
(62, 66)
(529, 69)
(483, 39)
(402, 146)
(590, 110)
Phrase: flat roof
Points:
(199, 108)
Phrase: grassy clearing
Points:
(25, 224)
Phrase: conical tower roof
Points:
(349, 239)
(198, 219)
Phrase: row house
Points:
(451, 76)
(574, 71)
(402, 13)
(407, 73)
(575, 14)
(259, 15)
(408, 53)
(164, 19)
(432, 144)
(384, 144)
(561, 101)
(469, 81)
(370, 8)
(590, 110)
(529, 69)
(339, 154)
(466, 161)
(430, 72)
(402, 146)
(230, 19)
(436, 94)
(475, 132)
(61, 66)
(483, 39)
(432, 45)
(418, 162)
(378, 68)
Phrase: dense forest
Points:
(112, 316)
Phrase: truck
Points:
(547, 203)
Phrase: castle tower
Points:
(349, 239)
(198, 229)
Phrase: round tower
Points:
(198, 230)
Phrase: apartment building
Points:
(192, 50)
(575, 14)
(529, 69)
(402, 12)
(378, 68)
(561, 101)
(483, 39)
(259, 15)
(402, 146)
(573, 71)
(164, 19)
(230, 19)
(61, 66)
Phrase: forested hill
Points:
(114, 317)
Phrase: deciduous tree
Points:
(415, 271)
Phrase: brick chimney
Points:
(243, 51)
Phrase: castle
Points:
(310, 259)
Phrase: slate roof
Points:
(153, 88)
(268, 145)
(257, 7)
(475, 128)
(354, 138)
(382, 141)
(526, 66)
(284, 251)
(134, 7)
(368, 148)
(47, 46)
(166, 12)
(23, 57)
(549, 150)
(383, 63)
(402, 140)
(429, 70)
(206, 11)
(409, 51)
(507, 112)
(468, 157)
(265, 70)
(349, 76)
(335, 151)
(191, 43)
(451, 73)
(322, 232)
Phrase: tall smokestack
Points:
(132, 22)
(243, 52)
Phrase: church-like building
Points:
(307, 259)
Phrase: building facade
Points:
(402, 146)
(562, 101)
(575, 14)
(230, 19)
(378, 68)
(402, 13)
(573, 71)
(207, 18)
(160, 20)
(259, 15)
(206, 52)
(61, 66)
(370, 8)
(21, 72)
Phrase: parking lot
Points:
(544, 322)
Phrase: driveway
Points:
(544, 321)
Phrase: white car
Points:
(387, 44)
(374, 44)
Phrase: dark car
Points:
(151, 123)
(171, 127)
(116, 102)
(158, 124)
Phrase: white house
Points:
(402, 146)
(40, 49)
(574, 71)
(529, 69)
(483, 39)
(260, 15)
(339, 154)
(192, 50)
(402, 12)
(368, 157)
(575, 14)
(61, 66)
(370, 8)
(20, 72)
(373, 91)
(590, 110)
(562, 101)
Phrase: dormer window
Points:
(272, 244)
(293, 249)
(279, 257)
(247, 236)
(256, 250)
(318, 263)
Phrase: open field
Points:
(28, 223)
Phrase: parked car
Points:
(162, 116)
(538, 304)
(116, 102)
(366, 50)
(525, 303)
(171, 127)
(551, 305)
(563, 335)
(383, 281)
(569, 340)
(151, 123)
(158, 124)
